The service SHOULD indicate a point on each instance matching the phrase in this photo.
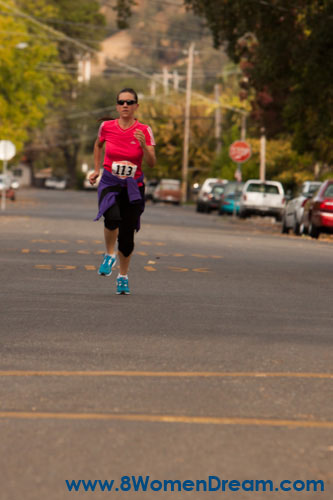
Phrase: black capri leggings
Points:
(124, 215)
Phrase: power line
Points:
(88, 49)
(150, 47)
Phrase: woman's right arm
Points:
(98, 150)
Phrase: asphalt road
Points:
(218, 364)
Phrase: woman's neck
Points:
(126, 122)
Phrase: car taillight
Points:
(303, 202)
(244, 197)
(283, 201)
(326, 205)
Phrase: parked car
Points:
(293, 212)
(230, 198)
(56, 183)
(205, 191)
(9, 185)
(318, 211)
(168, 190)
(262, 198)
(213, 199)
(150, 186)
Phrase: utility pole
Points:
(153, 86)
(263, 154)
(166, 76)
(243, 127)
(218, 118)
(175, 80)
(187, 122)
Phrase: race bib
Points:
(123, 169)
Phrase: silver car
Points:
(293, 212)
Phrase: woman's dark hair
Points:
(130, 91)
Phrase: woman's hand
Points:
(140, 136)
(93, 177)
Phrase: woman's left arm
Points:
(148, 151)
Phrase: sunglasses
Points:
(129, 102)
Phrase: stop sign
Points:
(240, 151)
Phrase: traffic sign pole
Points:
(3, 197)
(239, 152)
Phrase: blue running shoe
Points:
(122, 286)
(107, 265)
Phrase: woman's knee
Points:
(111, 224)
(126, 243)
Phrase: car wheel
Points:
(199, 208)
(242, 214)
(313, 231)
(284, 228)
(303, 228)
(296, 228)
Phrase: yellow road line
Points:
(63, 267)
(119, 373)
(178, 269)
(149, 268)
(90, 268)
(170, 419)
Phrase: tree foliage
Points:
(25, 90)
(285, 50)
(167, 121)
(42, 79)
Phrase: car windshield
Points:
(218, 189)
(329, 191)
(263, 188)
(233, 187)
(234, 196)
(313, 188)
(170, 186)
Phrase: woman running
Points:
(121, 188)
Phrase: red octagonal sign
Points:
(240, 151)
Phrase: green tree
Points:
(286, 52)
(72, 28)
(25, 90)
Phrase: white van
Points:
(262, 198)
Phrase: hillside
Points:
(157, 39)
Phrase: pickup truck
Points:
(262, 198)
